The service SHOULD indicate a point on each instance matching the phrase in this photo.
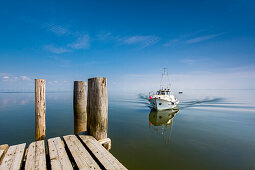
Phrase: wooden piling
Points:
(97, 107)
(80, 106)
(40, 108)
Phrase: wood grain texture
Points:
(80, 106)
(107, 143)
(98, 107)
(3, 150)
(36, 157)
(40, 108)
(13, 158)
(103, 155)
(58, 157)
(79, 153)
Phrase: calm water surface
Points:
(214, 129)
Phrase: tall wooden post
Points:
(98, 107)
(80, 106)
(40, 108)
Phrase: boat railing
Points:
(151, 93)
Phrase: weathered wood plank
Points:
(58, 156)
(3, 150)
(36, 157)
(1, 155)
(107, 143)
(79, 153)
(104, 156)
(13, 158)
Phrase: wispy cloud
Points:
(81, 43)
(171, 43)
(144, 41)
(11, 77)
(25, 78)
(57, 29)
(56, 50)
(190, 39)
(104, 36)
(188, 61)
(202, 38)
(5, 77)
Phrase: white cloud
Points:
(24, 78)
(11, 77)
(202, 38)
(56, 50)
(81, 43)
(145, 41)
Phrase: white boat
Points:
(164, 98)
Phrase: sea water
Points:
(213, 129)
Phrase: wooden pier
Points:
(87, 148)
(73, 152)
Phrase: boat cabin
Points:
(164, 92)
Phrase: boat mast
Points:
(164, 79)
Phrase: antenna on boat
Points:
(165, 79)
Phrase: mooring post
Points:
(80, 106)
(98, 108)
(40, 108)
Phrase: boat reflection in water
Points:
(162, 122)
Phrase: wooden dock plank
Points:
(36, 157)
(1, 155)
(3, 150)
(13, 158)
(103, 155)
(58, 156)
(79, 153)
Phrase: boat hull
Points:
(160, 104)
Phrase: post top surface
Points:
(97, 78)
(41, 79)
(80, 81)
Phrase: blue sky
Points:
(204, 44)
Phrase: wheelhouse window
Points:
(163, 92)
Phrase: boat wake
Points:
(197, 103)
(143, 99)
